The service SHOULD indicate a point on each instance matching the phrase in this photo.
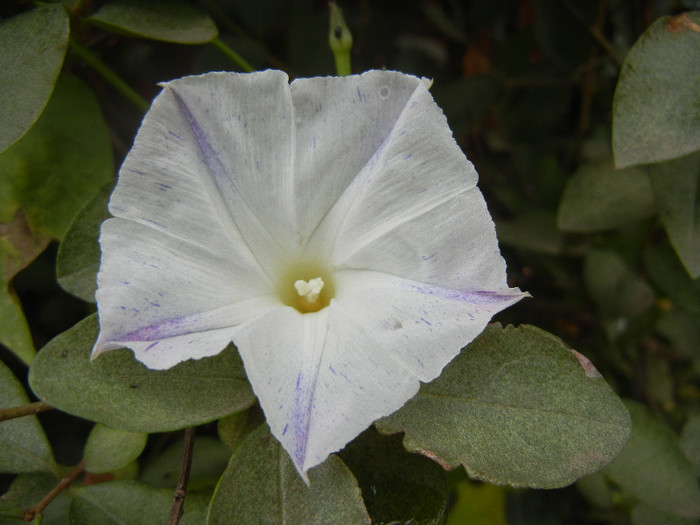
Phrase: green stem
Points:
(342, 64)
(238, 59)
(109, 75)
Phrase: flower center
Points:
(309, 293)
(306, 286)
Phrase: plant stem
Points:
(24, 410)
(595, 32)
(109, 75)
(181, 489)
(238, 59)
(63, 484)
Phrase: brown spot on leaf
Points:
(21, 245)
(437, 459)
(678, 24)
(591, 371)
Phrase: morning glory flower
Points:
(330, 228)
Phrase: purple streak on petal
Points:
(175, 135)
(211, 158)
(476, 296)
(162, 330)
(162, 226)
(300, 418)
(151, 345)
(162, 186)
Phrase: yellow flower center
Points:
(306, 287)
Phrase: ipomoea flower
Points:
(331, 228)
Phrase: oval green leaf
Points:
(599, 197)
(23, 444)
(516, 407)
(33, 46)
(174, 21)
(653, 453)
(79, 253)
(60, 163)
(120, 392)
(261, 485)
(107, 449)
(656, 114)
(618, 291)
(676, 186)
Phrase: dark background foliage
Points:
(527, 87)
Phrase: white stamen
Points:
(309, 290)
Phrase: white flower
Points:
(331, 228)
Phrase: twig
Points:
(63, 484)
(24, 410)
(181, 489)
(595, 32)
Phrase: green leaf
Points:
(19, 246)
(107, 450)
(23, 444)
(33, 46)
(690, 442)
(234, 428)
(165, 20)
(534, 230)
(79, 253)
(653, 453)
(598, 197)
(261, 485)
(130, 503)
(516, 407)
(656, 113)
(120, 392)
(618, 291)
(667, 273)
(60, 163)
(676, 186)
(209, 459)
(14, 330)
(397, 487)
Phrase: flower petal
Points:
(244, 126)
(414, 210)
(341, 122)
(359, 359)
(186, 249)
(156, 292)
